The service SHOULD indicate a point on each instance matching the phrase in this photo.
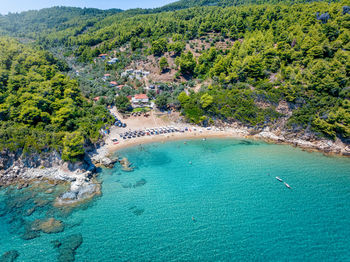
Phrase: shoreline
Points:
(172, 137)
(327, 147)
(81, 177)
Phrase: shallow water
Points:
(214, 200)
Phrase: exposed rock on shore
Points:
(101, 157)
(306, 141)
(20, 169)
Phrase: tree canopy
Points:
(40, 107)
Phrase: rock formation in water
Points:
(67, 247)
(126, 165)
(9, 256)
(81, 190)
(48, 225)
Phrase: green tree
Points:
(73, 147)
(206, 100)
(187, 63)
(163, 63)
(159, 47)
(176, 47)
(162, 102)
(135, 43)
(122, 103)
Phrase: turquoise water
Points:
(228, 186)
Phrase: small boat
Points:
(279, 179)
(287, 185)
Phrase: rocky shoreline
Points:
(21, 170)
(306, 142)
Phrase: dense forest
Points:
(280, 52)
(296, 53)
(32, 24)
(183, 4)
(42, 109)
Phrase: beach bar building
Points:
(140, 100)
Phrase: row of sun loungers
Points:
(152, 131)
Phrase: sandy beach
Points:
(156, 120)
(199, 134)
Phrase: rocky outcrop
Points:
(126, 165)
(101, 157)
(21, 169)
(81, 190)
(107, 162)
(306, 141)
(9, 256)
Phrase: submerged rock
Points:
(126, 165)
(30, 211)
(138, 212)
(49, 191)
(127, 185)
(9, 256)
(48, 226)
(67, 247)
(30, 234)
(41, 202)
(140, 183)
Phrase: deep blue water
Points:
(228, 186)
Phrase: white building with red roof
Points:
(140, 100)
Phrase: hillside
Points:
(34, 23)
(42, 109)
(281, 53)
(282, 65)
(183, 4)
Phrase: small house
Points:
(102, 56)
(140, 99)
(105, 77)
(96, 99)
(113, 84)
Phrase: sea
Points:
(194, 200)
